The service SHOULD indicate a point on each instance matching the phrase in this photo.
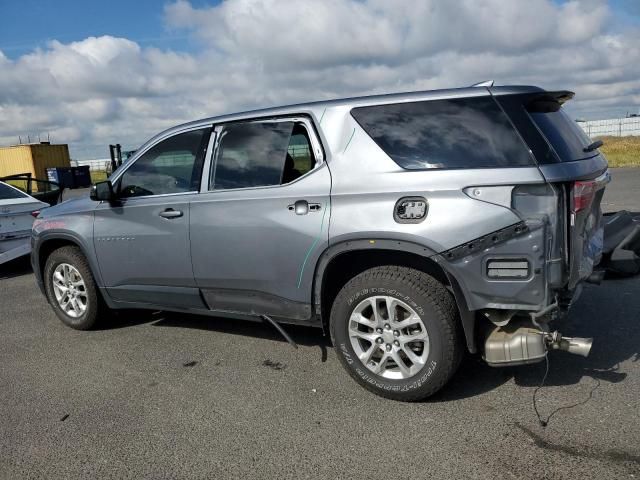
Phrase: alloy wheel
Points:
(70, 290)
(389, 337)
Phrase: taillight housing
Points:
(35, 213)
(583, 193)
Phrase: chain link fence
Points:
(615, 127)
(98, 165)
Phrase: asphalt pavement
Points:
(155, 395)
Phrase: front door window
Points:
(171, 166)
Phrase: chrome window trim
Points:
(208, 160)
(214, 157)
(316, 145)
(125, 200)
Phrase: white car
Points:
(17, 212)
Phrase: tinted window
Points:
(172, 166)
(300, 159)
(252, 154)
(457, 133)
(565, 135)
(7, 193)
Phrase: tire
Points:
(71, 260)
(414, 297)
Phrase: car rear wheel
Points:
(71, 290)
(396, 332)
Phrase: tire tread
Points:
(442, 303)
(73, 255)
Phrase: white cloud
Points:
(255, 53)
(320, 32)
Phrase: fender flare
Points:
(467, 317)
(72, 238)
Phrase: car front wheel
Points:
(71, 290)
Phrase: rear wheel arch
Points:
(343, 261)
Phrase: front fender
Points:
(76, 230)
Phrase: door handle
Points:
(302, 207)
(170, 213)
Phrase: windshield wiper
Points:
(591, 147)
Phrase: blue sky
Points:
(28, 24)
(92, 73)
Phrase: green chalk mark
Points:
(349, 142)
(323, 112)
(313, 245)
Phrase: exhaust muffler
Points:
(515, 344)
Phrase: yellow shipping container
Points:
(33, 158)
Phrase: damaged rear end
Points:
(573, 164)
(523, 283)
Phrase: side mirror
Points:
(102, 192)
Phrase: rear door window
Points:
(253, 154)
(456, 133)
(300, 159)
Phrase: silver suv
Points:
(409, 226)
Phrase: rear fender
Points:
(467, 317)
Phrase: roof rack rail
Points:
(486, 83)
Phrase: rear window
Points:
(456, 133)
(563, 134)
(7, 192)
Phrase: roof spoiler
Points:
(546, 102)
(560, 96)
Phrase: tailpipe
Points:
(576, 345)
